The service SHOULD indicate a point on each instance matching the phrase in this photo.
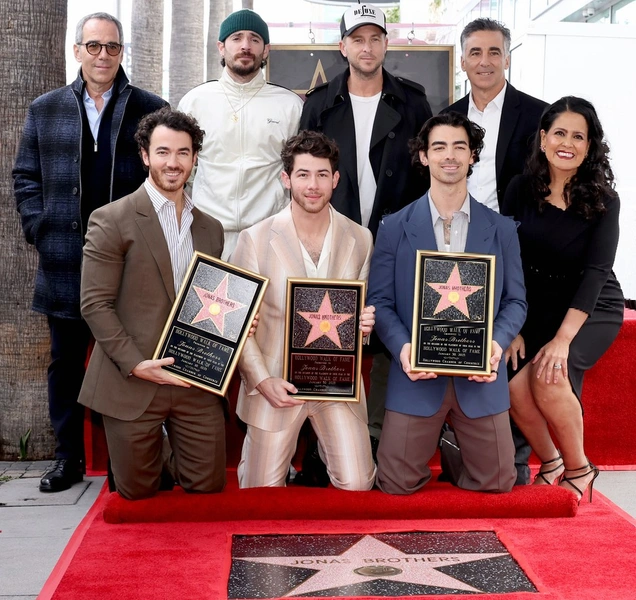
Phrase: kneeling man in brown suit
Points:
(136, 255)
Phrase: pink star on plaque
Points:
(454, 293)
(324, 322)
(216, 305)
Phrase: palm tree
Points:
(219, 9)
(147, 45)
(186, 48)
(32, 62)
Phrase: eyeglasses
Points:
(95, 48)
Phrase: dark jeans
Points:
(70, 339)
(377, 394)
(522, 454)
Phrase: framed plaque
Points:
(453, 313)
(323, 341)
(210, 321)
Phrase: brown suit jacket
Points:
(126, 297)
(272, 248)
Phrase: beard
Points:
(165, 184)
(244, 70)
(308, 206)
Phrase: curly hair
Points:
(172, 119)
(452, 119)
(593, 182)
(309, 142)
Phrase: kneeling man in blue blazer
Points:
(446, 219)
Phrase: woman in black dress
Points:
(568, 214)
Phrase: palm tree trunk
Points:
(186, 48)
(219, 9)
(147, 45)
(32, 62)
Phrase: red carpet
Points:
(590, 557)
(609, 390)
(435, 501)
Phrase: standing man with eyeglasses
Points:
(76, 154)
(246, 121)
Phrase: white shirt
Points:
(92, 114)
(320, 270)
(364, 110)
(458, 227)
(482, 184)
(179, 240)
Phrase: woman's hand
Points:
(515, 351)
(553, 360)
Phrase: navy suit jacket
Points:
(520, 118)
(391, 290)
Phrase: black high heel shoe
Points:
(589, 468)
(542, 474)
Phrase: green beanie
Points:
(244, 20)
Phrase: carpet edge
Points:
(63, 562)
(616, 508)
(176, 506)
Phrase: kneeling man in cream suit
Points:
(306, 239)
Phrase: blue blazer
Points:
(391, 289)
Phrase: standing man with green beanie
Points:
(246, 120)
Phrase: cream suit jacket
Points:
(126, 296)
(272, 248)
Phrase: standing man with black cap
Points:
(371, 115)
(246, 120)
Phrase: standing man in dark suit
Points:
(446, 219)
(510, 119)
(509, 116)
(372, 115)
(76, 154)
(136, 255)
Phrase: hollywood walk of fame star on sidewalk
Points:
(343, 569)
(454, 293)
(216, 305)
(324, 322)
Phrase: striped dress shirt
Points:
(179, 240)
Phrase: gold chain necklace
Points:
(236, 111)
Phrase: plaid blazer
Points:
(47, 183)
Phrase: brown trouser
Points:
(408, 443)
(196, 430)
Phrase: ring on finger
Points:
(557, 366)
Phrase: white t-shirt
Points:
(364, 109)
